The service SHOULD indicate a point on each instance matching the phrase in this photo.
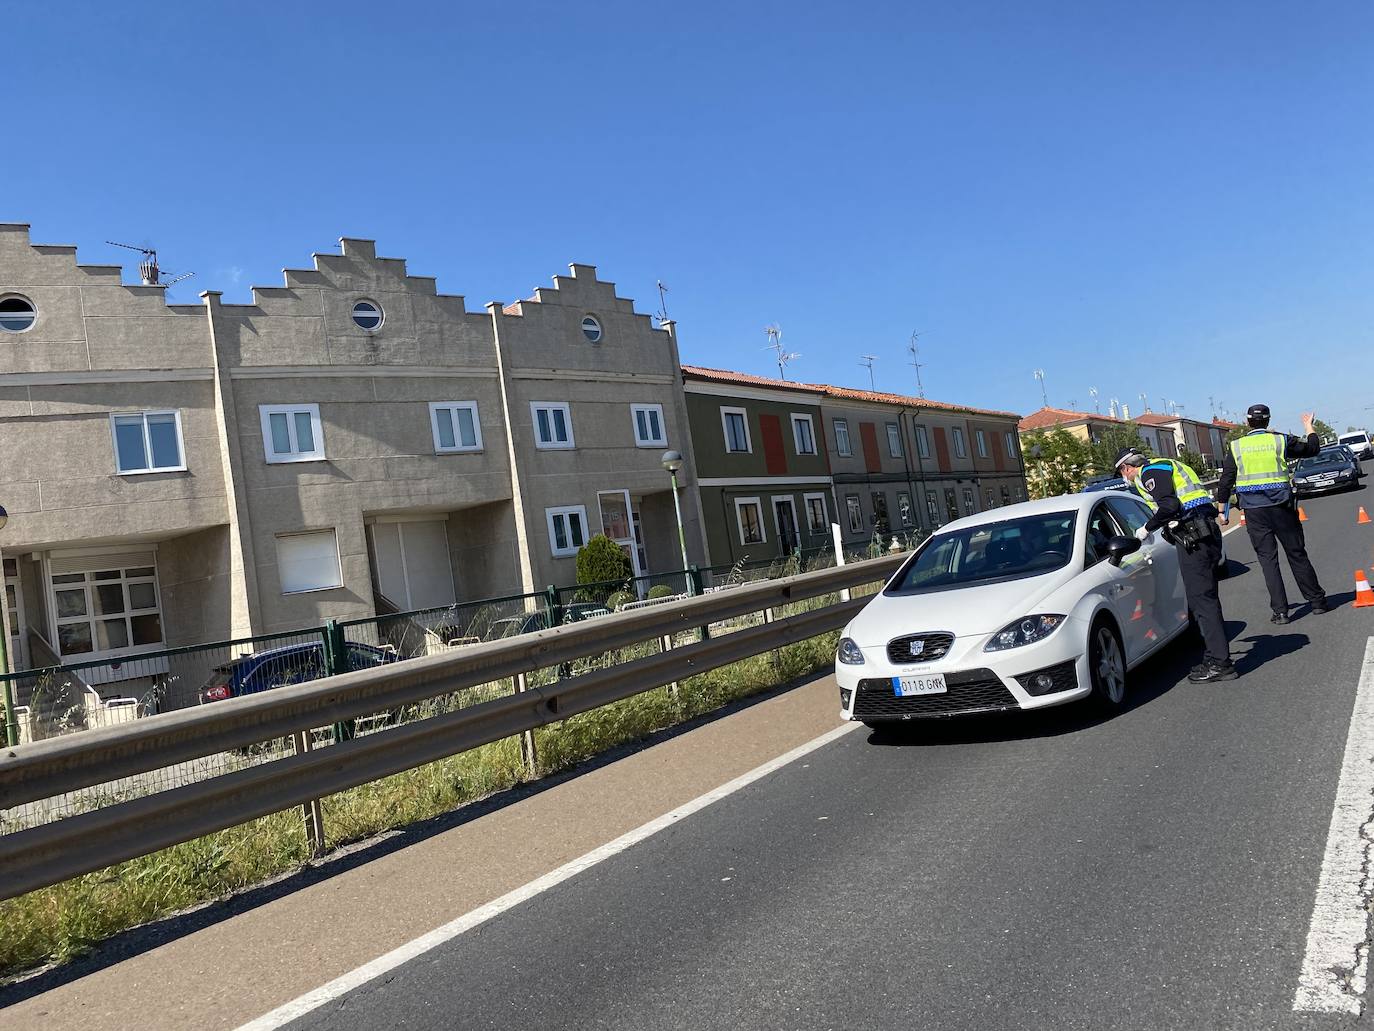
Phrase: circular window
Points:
(591, 329)
(367, 315)
(17, 314)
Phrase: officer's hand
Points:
(1142, 534)
(1308, 422)
(1223, 521)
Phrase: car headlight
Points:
(1024, 631)
(849, 653)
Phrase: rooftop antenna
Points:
(662, 303)
(916, 364)
(775, 344)
(1114, 408)
(1097, 407)
(1039, 374)
(147, 268)
(868, 360)
(1073, 404)
(1212, 402)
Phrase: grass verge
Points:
(63, 921)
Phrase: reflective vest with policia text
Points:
(1191, 493)
(1260, 461)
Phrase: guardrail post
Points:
(695, 589)
(312, 810)
(529, 755)
(336, 662)
(666, 643)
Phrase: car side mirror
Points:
(1119, 547)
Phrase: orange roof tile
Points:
(1047, 418)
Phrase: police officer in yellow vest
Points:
(1257, 468)
(1184, 512)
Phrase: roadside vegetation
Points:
(59, 923)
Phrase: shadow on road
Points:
(1264, 647)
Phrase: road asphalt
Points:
(1055, 870)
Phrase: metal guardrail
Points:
(44, 855)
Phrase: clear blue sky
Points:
(1129, 196)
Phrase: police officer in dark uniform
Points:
(1184, 513)
(1256, 467)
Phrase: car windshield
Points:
(1352, 438)
(989, 552)
(1325, 458)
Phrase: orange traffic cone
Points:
(1364, 597)
(1302, 516)
(1364, 516)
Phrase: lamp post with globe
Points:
(11, 728)
(672, 461)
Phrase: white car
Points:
(1359, 443)
(1021, 607)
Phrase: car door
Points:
(1170, 609)
(1129, 587)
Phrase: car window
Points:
(1015, 548)
(364, 658)
(1130, 513)
(1101, 529)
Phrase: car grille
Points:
(932, 647)
(975, 690)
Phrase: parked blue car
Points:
(293, 664)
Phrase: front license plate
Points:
(933, 683)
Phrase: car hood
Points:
(1334, 466)
(963, 611)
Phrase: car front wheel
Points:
(1107, 667)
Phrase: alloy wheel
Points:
(1111, 666)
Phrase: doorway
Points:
(785, 521)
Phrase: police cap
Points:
(1129, 456)
(1257, 415)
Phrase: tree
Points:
(1237, 433)
(1113, 439)
(601, 561)
(1196, 461)
(1058, 463)
(1323, 429)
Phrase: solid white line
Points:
(341, 986)
(1336, 962)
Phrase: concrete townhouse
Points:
(350, 442)
(1206, 438)
(1089, 426)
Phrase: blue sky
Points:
(1162, 198)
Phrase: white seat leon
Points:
(1021, 607)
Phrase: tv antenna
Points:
(1039, 374)
(868, 360)
(916, 364)
(1114, 408)
(662, 303)
(1144, 401)
(1097, 407)
(775, 344)
(147, 268)
(1212, 403)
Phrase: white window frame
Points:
(825, 513)
(922, 442)
(600, 329)
(88, 584)
(353, 314)
(847, 450)
(570, 551)
(265, 413)
(662, 440)
(960, 444)
(907, 515)
(1011, 444)
(980, 441)
(849, 511)
(743, 413)
(554, 445)
(453, 408)
(894, 440)
(338, 560)
(797, 419)
(739, 521)
(180, 467)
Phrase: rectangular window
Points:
(969, 503)
(992, 500)
(456, 427)
(648, 422)
(817, 519)
(933, 507)
(803, 435)
(981, 440)
(749, 515)
(842, 445)
(567, 529)
(894, 440)
(960, 448)
(736, 424)
(1011, 444)
(103, 610)
(1006, 496)
(880, 511)
(922, 442)
(552, 425)
(855, 512)
(308, 562)
(147, 442)
(292, 433)
(904, 510)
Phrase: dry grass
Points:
(63, 921)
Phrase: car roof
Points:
(1044, 506)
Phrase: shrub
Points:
(661, 591)
(600, 560)
(618, 599)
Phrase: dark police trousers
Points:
(1199, 568)
(1269, 527)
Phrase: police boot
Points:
(1210, 671)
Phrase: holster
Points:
(1192, 531)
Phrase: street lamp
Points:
(672, 461)
(11, 728)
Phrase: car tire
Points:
(1106, 666)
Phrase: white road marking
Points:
(354, 979)
(1336, 962)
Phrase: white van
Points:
(1358, 443)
